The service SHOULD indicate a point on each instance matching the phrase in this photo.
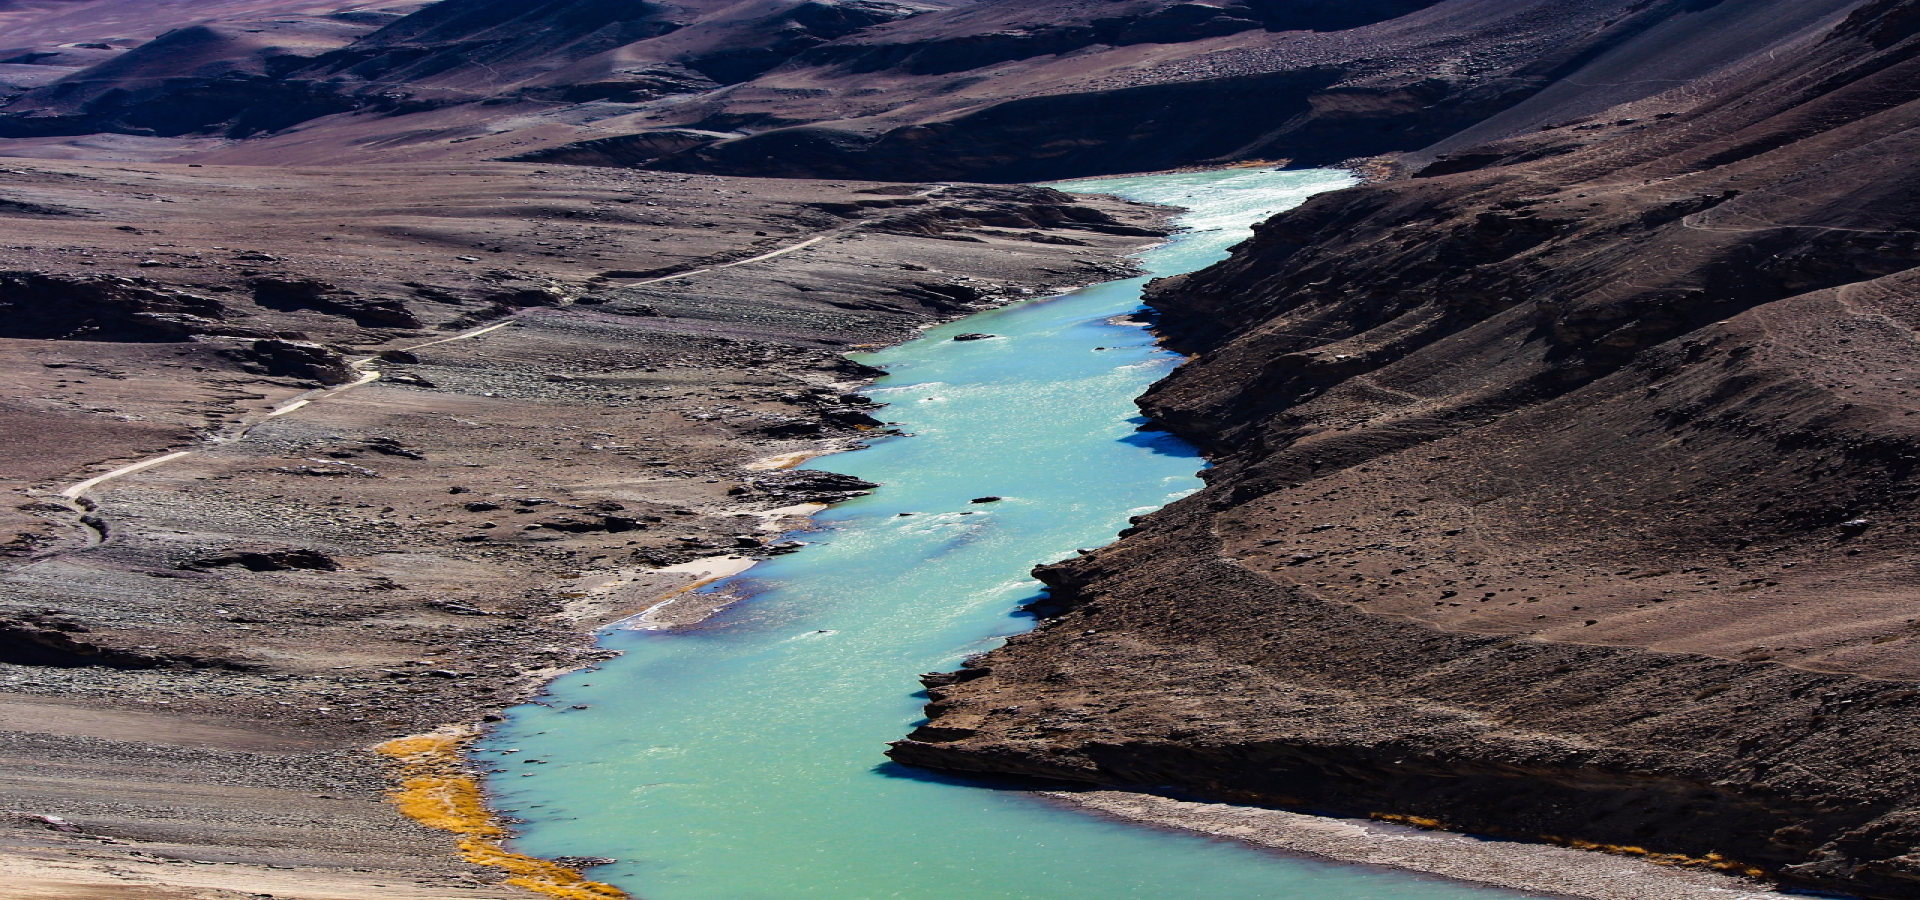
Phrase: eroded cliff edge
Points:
(1564, 490)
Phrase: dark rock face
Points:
(586, 525)
(56, 643)
(811, 486)
(29, 208)
(301, 293)
(299, 359)
(521, 298)
(38, 306)
(1559, 493)
(267, 560)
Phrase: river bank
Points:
(196, 693)
(1564, 491)
(1536, 869)
(590, 802)
(737, 758)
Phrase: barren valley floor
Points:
(197, 656)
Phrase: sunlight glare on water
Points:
(742, 760)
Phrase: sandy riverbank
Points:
(1533, 868)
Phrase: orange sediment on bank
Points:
(1714, 861)
(538, 875)
(436, 789)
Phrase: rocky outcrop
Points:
(287, 294)
(50, 640)
(41, 306)
(1565, 492)
(304, 360)
(808, 486)
(266, 559)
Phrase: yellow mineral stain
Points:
(1415, 821)
(435, 789)
(538, 875)
(1712, 861)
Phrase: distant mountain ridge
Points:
(990, 90)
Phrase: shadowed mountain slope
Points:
(46, 41)
(1396, 84)
(993, 90)
(450, 53)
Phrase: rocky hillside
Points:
(987, 90)
(1565, 490)
(1018, 91)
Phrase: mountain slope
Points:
(1396, 84)
(994, 90)
(452, 53)
(1566, 492)
(43, 42)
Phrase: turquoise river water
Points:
(742, 759)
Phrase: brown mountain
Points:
(993, 90)
(1566, 489)
(47, 41)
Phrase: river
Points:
(742, 759)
